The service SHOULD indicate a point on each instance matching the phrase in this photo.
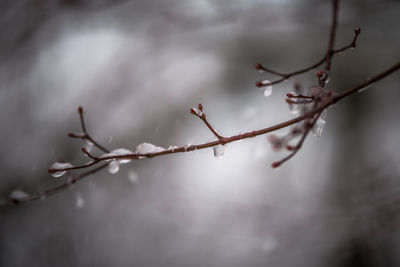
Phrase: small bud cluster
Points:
(197, 112)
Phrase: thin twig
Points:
(332, 36)
(327, 58)
(49, 192)
(86, 136)
(202, 116)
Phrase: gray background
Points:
(137, 67)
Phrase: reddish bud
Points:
(51, 170)
(258, 66)
(200, 107)
(259, 84)
(275, 164)
(84, 150)
(357, 30)
(289, 148)
(14, 201)
(70, 135)
(193, 111)
(319, 73)
(80, 110)
(289, 95)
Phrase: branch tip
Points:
(259, 84)
(258, 66)
(80, 110)
(14, 201)
(275, 164)
(289, 148)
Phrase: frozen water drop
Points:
(113, 167)
(267, 88)
(58, 174)
(294, 108)
(219, 151)
(59, 165)
(18, 194)
(319, 124)
(80, 203)
(133, 177)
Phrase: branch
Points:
(201, 115)
(317, 95)
(85, 136)
(225, 140)
(49, 192)
(327, 58)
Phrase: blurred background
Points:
(137, 67)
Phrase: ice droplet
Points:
(294, 108)
(145, 148)
(133, 177)
(319, 124)
(119, 152)
(18, 194)
(219, 151)
(59, 165)
(267, 88)
(80, 203)
(113, 167)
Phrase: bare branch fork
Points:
(311, 106)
